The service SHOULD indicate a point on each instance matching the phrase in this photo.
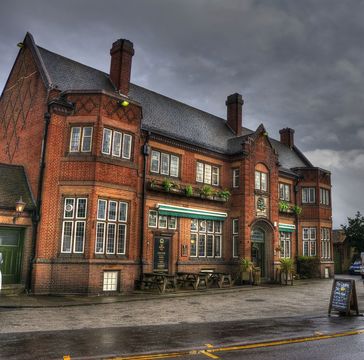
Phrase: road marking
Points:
(210, 352)
(209, 346)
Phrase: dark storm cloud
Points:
(297, 63)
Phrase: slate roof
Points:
(13, 184)
(161, 114)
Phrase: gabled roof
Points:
(13, 185)
(161, 114)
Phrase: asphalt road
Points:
(151, 341)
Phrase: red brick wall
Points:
(22, 108)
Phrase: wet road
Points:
(183, 337)
(345, 348)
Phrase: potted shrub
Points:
(207, 191)
(189, 190)
(283, 206)
(167, 185)
(246, 268)
(296, 209)
(224, 194)
(287, 267)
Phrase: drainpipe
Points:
(36, 212)
(146, 153)
(296, 219)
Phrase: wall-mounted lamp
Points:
(124, 103)
(19, 208)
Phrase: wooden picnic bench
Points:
(161, 281)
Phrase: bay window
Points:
(116, 144)
(80, 139)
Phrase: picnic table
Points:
(195, 279)
(220, 279)
(159, 280)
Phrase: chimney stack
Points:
(121, 53)
(234, 105)
(287, 137)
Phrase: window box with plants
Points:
(287, 208)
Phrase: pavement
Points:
(25, 300)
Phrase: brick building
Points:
(118, 171)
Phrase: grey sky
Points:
(296, 63)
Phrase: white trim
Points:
(83, 237)
(76, 214)
(159, 161)
(129, 147)
(116, 211)
(103, 138)
(236, 178)
(126, 211)
(156, 223)
(159, 219)
(103, 238)
(73, 208)
(169, 218)
(83, 137)
(118, 239)
(213, 246)
(98, 201)
(107, 238)
(70, 251)
(116, 154)
(79, 140)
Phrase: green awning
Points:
(287, 227)
(190, 213)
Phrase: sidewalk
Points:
(52, 301)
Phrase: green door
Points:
(11, 248)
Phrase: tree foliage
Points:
(354, 232)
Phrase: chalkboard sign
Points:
(343, 296)
(161, 253)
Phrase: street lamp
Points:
(19, 208)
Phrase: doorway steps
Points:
(12, 289)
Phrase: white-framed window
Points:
(309, 241)
(235, 231)
(205, 238)
(80, 139)
(111, 227)
(116, 144)
(161, 221)
(207, 174)
(325, 243)
(164, 164)
(236, 178)
(324, 196)
(284, 192)
(261, 181)
(74, 225)
(308, 195)
(286, 244)
(110, 281)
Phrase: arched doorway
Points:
(261, 238)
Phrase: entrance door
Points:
(258, 249)
(11, 249)
(161, 253)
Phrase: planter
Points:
(246, 277)
(286, 277)
(257, 276)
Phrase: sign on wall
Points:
(161, 253)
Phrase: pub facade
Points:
(128, 181)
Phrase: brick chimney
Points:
(121, 53)
(287, 137)
(234, 105)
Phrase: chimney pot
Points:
(234, 105)
(121, 53)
